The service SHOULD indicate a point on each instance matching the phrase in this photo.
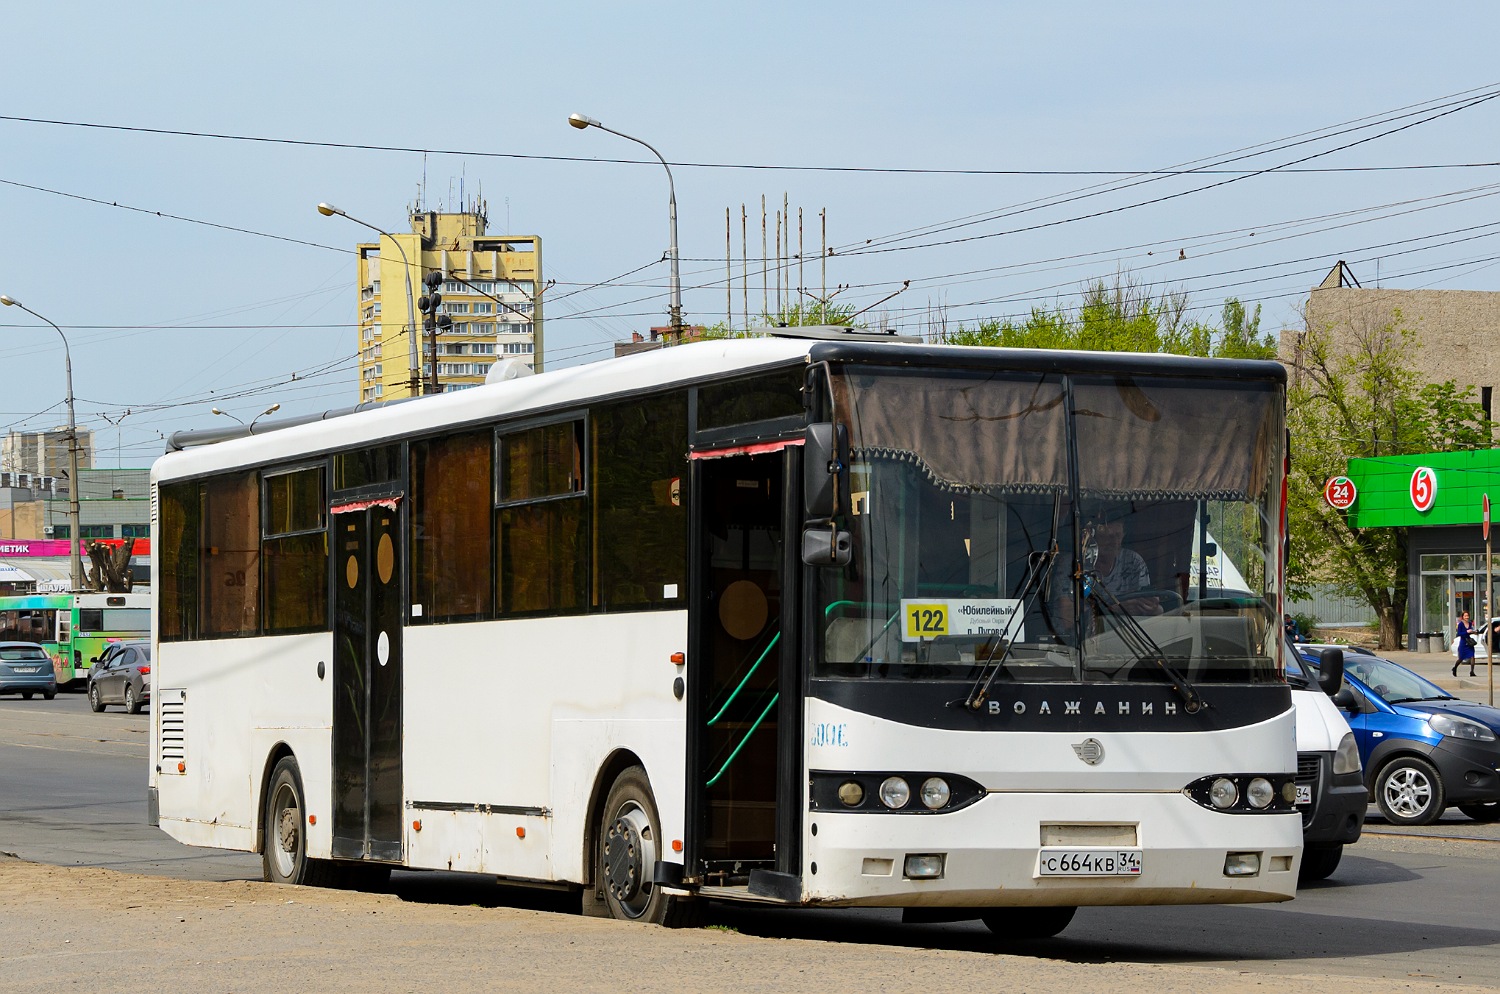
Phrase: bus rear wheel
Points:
(1027, 923)
(629, 844)
(283, 848)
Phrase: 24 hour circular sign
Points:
(1339, 492)
(1423, 488)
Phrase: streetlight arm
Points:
(328, 210)
(75, 559)
(580, 121)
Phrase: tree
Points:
(1122, 315)
(1363, 398)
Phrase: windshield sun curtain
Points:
(975, 547)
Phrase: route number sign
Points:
(1423, 488)
(1339, 492)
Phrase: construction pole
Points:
(728, 277)
(801, 284)
(779, 311)
(745, 262)
(823, 289)
(765, 300)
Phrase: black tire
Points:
(1409, 791)
(47, 697)
(27, 695)
(1319, 862)
(1027, 923)
(96, 703)
(283, 850)
(132, 706)
(628, 845)
(1485, 811)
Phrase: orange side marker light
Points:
(520, 831)
(677, 845)
(312, 819)
(416, 826)
(678, 658)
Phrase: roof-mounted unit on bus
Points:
(833, 333)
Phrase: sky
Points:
(996, 155)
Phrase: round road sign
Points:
(1339, 492)
(1423, 488)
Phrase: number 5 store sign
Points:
(1423, 488)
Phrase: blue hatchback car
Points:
(1423, 749)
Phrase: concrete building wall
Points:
(1455, 327)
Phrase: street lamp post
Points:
(75, 558)
(415, 386)
(270, 410)
(581, 121)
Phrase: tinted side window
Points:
(541, 521)
(229, 554)
(640, 509)
(294, 551)
(451, 525)
(759, 398)
(177, 598)
(366, 467)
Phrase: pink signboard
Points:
(23, 548)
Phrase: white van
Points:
(1331, 791)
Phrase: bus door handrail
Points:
(745, 679)
(744, 739)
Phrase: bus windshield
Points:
(1058, 527)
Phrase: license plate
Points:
(1304, 793)
(27, 669)
(1090, 863)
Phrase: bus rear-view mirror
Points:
(825, 545)
(825, 470)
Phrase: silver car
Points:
(26, 669)
(122, 675)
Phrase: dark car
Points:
(1423, 749)
(121, 674)
(26, 669)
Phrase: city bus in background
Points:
(809, 620)
(74, 628)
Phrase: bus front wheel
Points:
(629, 844)
(1027, 923)
(283, 848)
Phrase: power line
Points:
(757, 166)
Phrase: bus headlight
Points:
(851, 793)
(1224, 793)
(894, 792)
(1260, 792)
(935, 792)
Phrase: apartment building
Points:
(490, 290)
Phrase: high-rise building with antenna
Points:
(490, 289)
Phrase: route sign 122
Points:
(1339, 492)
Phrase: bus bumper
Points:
(989, 853)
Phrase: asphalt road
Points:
(1415, 904)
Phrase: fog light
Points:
(1224, 793)
(851, 793)
(894, 792)
(924, 866)
(935, 792)
(1242, 864)
(1260, 792)
(1289, 792)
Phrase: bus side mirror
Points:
(1331, 671)
(825, 470)
(826, 545)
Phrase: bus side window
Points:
(64, 627)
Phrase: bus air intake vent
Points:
(173, 730)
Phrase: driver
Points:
(1122, 571)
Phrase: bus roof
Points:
(644, 372)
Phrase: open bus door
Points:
(745, 795)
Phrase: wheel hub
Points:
(289, 824)
(622, 860)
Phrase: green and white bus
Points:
(74, 628)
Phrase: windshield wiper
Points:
(1139, 641)
(1418, 700)
(1038, 569)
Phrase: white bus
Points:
(781, 620)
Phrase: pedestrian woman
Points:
(1465, 644)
